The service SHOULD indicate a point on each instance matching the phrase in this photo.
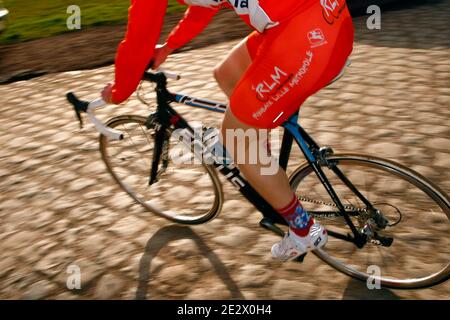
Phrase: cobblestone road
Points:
(59, 206)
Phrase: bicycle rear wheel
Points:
(172, 196)
(418, 211)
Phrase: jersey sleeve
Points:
(145, 19)
(194, 22)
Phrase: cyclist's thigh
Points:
(292, 62)
(230, 70)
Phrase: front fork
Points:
(161, 149)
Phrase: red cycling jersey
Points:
(258, 14)
(146, 18)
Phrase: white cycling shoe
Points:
(293, 245)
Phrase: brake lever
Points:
(78, 105)
(79, 117)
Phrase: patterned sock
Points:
(298, 219)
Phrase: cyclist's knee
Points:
(217, 74)
(225, 79)
(229, 72)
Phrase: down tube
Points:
(233, 175)
(229, 170)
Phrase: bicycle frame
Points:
(315, 156)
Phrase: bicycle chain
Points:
(305, 199)
(361, 219)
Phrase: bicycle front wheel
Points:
(418, 214)
(187, 192)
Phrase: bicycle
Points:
(355, 220)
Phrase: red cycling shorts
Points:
(290, 62)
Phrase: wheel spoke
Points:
(419, 248)
(128, 162)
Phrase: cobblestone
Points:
(59, 206)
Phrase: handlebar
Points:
(89, 107)
(170, 75)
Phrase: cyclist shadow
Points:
(175, 232)
(357, 290)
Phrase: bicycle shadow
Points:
(172, 233)
(357, 290)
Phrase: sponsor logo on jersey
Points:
(316, 38)
(267, 88)
(279, 84)
(259, 19)
(332, 9)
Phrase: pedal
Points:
(300, 258)
(267, 223)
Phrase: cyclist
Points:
(297, 47)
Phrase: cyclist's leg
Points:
(289, 64)
(293, 61)
(254, 160)
(232, 67)
(228, 73)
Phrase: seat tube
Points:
(286, 147)
(293, 130)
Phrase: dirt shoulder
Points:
(95, 47)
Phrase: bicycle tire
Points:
(425, 185)
(170, 215)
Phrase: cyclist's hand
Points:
(161, 53)
(107, 93)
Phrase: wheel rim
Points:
(129, 162)
(432, 277)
